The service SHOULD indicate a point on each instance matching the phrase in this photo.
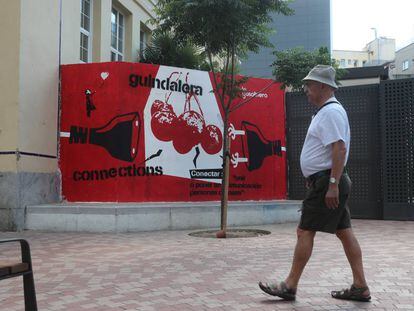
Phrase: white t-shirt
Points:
(329, 125)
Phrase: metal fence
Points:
(397, 129)
(381, 161)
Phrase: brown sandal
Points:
(279, 290)
(352, 293)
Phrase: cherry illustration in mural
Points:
(163, 120)
(212, 139)
(160, 106)
(187, 130)
(163, 124)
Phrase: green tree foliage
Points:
(217, 25)
(165, 49)
(292, 65)
(226, 29)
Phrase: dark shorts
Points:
(316, 216)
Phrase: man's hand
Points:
(338, 163)
(332, 196)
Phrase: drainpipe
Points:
(59, 76)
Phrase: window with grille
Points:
(142, 42)
(117, 35)
(405, 65)
(85, 31)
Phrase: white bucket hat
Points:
(323, 74)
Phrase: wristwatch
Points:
(332, 180)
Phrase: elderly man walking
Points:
(323, 159)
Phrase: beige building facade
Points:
(350, 59)
(377, 52)
(403, 66)
(380, 51)
(40, 36)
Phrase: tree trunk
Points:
(225, 179)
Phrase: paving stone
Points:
(170, 270)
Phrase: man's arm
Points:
(338, 163)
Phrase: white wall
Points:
(134, 11)
(9, 78)
(381, 49)
(101, 31)
(140, 12)
(70, 38)
(30, 68)
(402, 55)
(38, 100)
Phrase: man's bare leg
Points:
(354, 254)
(303, 252)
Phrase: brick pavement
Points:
(173, 271)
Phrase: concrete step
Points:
(134, 217)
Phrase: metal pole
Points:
(379, 39)
(378, 44)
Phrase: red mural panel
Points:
(135, 132)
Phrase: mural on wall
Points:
(135, 132)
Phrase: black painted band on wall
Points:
(20, 153)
